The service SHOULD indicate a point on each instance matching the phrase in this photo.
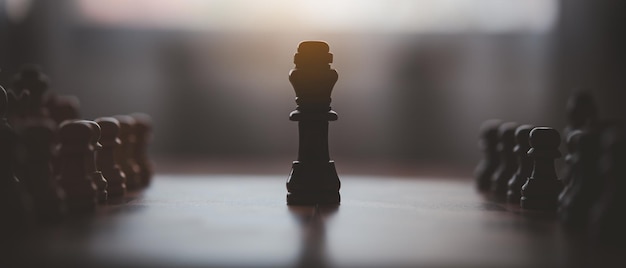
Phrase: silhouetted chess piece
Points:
(31, 78)
(37, 136)
(12, 200)
(90, 161)
(491, 159)
(61, 108)
(105, 157)
(607, 221)
(524, 164)
(313, 178)
(587, 182)
(143, 133)
(81, 192)
(570, 158)
(541, 190)
(508, 161)
(582, 112)
(124, 153)
(17, 106)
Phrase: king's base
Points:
(313, 184)
(313, 198)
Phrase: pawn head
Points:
(544, 138)
(522, 134)
(110, 128)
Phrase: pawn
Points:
(105, 158)
(607, 219)
(90, 161)
(525, 164)
(541, 190)
(31, 79)
(124, 153)
(508, 161)
(490, 162)
(36, 138)
(12, 198)
(143, 132)
(587, 182)
(570, 158)
(582, 112)
(81, 192)
(63, 108)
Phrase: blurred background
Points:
(416, 78)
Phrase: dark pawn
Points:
(541, 190)
(105, 158)
(582, 112)
(81, 192)
(143, 133)
(12, 199)
(62, 108)
(587, 182)
(37, 137)
(508, 161)
(524, 164)
(31, 79)
(570, 158)
(491, 160)
(607, 221)
(90, 161)
(124, 153)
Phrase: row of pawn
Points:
(588, 192)
(519, 164)
(49, 170)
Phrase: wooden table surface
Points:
(243, 221)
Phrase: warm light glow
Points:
(401, 16)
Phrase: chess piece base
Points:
(540, 194)
(313, 184)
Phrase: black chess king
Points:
(313, 179)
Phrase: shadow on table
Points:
(312, 221)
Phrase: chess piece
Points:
(62, 108)
(313, 178)
(524, 164)
(17, 106)
(31, 79)
(81, 192)
(541, 190)
(491, 159)
(143, 132)
(12, 199)
(570, 158)
(587, 182)
(37, 137)
(105, 158)
(508, 161)
(124, 153)
(607, 219)
(90, 161)
(582, 112)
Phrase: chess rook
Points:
(313, 178)
(541, 190)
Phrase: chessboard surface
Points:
(243, 221)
